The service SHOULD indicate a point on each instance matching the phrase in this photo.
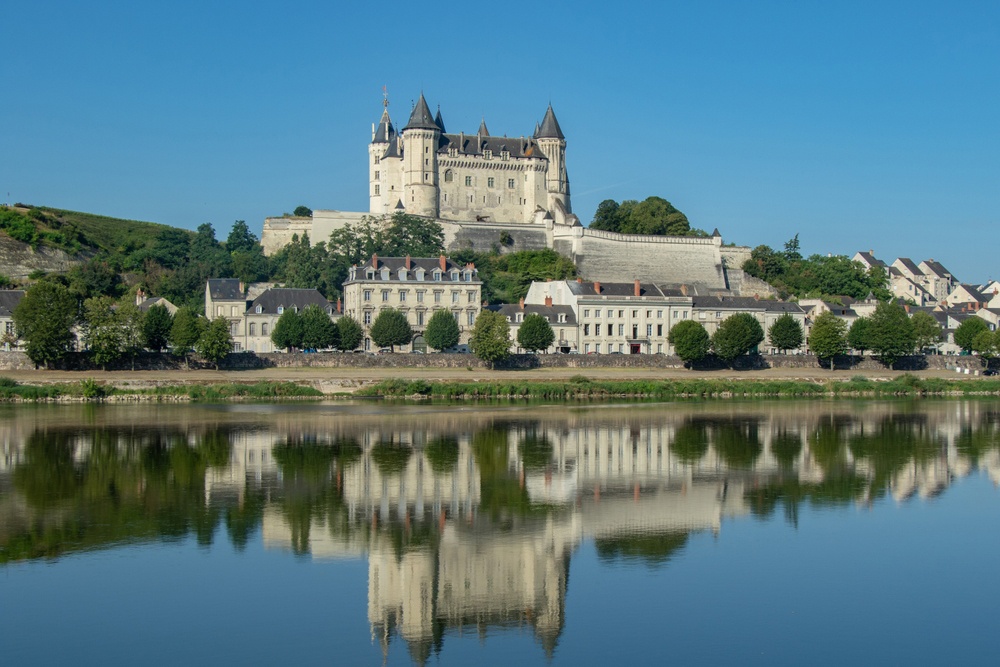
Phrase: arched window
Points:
(448, 176)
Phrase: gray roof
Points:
(551, 312)
(155, 301)
(421, 118)
(910, 266)
(385, 132)
(749, 303)
(937, 268)
(438, 120)
(871, 260)
(613, 289)
(288, 297)
(477, 144)
(482, 129)
(428, 264)
(225, 289)
(9, 298)
(549, 128)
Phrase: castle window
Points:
(437, 276)
(377, 158)
(488, 154)
(420, 318)
(376, 175)
(468, 180)
(368, 317)
(448, 176)
(452, 151)
(490, 181)
(504, 155)
(437, 297)
(376, 189)
(562, 318)
(519, 317)
(454, 297)
(510, 183)
(586, 329)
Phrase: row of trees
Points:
(737, 335)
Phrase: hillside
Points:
(39, 238)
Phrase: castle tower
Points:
(553, 144)
(378, 175)
(421, 137)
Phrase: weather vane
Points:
(385, 97)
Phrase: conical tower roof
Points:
(549, 128)
(421, 118)
(385, 130)
(438, 120)
(483, 132)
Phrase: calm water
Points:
(759, 533)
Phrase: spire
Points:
(550, 127)
(438, 120)
(421, 118)
(534, 135)
(385, 130)
(483, 132)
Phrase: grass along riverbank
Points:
(90, 390)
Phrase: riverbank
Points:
(214, 386)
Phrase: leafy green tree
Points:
(390, 329)
(251, 265)
(926, 330)
(792, 249)
(130, 322)
(44, 320)
(765, 263)
(655, 215)
(892, 333)
(412, 235)
(690, 340)
(535, 333)
(859, 337)
(288, 330)
(490, 339)
(318, 330)
(302, 212)
(606, 216)
(240, 238)
(442, 330)
(94, 278)
(965, 334)
(987, 345)
(156, 328)
(786, 333)
(828, 337)
(171, 247)
(351, 333)
(737, 335)
(102, 332)
(215, 342)
(185, 331)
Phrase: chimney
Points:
(906, 307)
(597, 287)
(521, 303)
(140, 296)
(340, 305)
(443, 262)
(407, 262)
(579, 279)
(756, 297)
(243, 289)
(638, 290)
(374, 261)
(684, 290)
(548, 301)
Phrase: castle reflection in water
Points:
(468, 517)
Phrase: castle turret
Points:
(552, 142)
(421, 137)
(382, 136)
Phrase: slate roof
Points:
(937, 269)
(910, 266)
(428, 264)
(614, 289)
(156, 301)
(421, 118)
(288, 297)
(871, 260)
(510, 310)
(9, 298)
(477, 144)
(385, 131)
(225, 289)
(748, 303)
(549, 128)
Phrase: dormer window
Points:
(420, 274)
(452, 151)
(454, 276)
(370, 274)
(385, 273)
(259, 309)
(562, 318)
(437, 276)
(505, 155)
(281, 309)
(519, 317)
(402, 273)
(488, 154)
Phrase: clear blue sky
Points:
(857, 125)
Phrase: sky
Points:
(857, 125)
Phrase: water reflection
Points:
(468, 519)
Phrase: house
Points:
(968, 295)
(938, 280)
(711, 311)
(9, 298)
(144, 303)
(417, 287)
(561, 318)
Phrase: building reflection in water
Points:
(468, 519)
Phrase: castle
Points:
(489, 192)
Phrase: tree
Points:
(287, 333)
(965, 334)
(171, 247)
(606, 216)
(859, 337)
(736, 336)
(102, 331)
(44, 320)
(215, 342)
(786, 333)
(987, 345)
(690, 340)
(351, 333)
(535, 333)
(156, 328)
(390, 329)
(185, 331)
(240, 238)
(892, 333)
(490, 339)
(442, 330)
(655, 215)
(302, 212)
(792, 248)
(318, 330)
(926, 330)
(130, 322)
(828, 337)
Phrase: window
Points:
(376, 176)
(621, 329)
(701, 315)
(377, 158)
(368, 295)
(649, 330)
(454, 297)
(454, 276)
(684, 314)
(385, 295)
(259, 309)
(218, 311)
(611, 314)
(649, 314)
(402, 296)
(468, 181)
(263, 329)
(488, 154)
(659, 314)
(437, 297)
(233, 312)
(504, 155)
(368, 317)
(659, 329)
(597, 348)
(510, 183)
(490, 181)
(611, 331)
(519, 317)
(234, 327)
(586, 329)
(437, 276)
(420, 318)
(586, 312)
(621, 313)
(448, 175)
(452, 151)
(635, 313)
(471, 297)
(420, 296)
(718, 314)
(562, 318)
(377, 189)
(586, 348)
(472, 318)
(281, 310)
